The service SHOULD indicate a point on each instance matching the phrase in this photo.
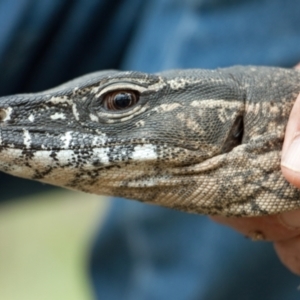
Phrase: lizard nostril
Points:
(3, 115)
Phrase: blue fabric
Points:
(146, 252)
(142, 251)
(43, 43)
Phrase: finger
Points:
(289, 253)
(290, 163)
(271, 228)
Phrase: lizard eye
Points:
(120, 100)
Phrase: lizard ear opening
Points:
(235, 135)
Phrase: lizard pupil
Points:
(120, 100)
(123, 100)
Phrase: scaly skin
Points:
(200, 141)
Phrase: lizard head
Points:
(160, 138)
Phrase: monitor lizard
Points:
(201, 141)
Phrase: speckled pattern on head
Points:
(201, 141)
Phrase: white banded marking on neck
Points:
(144, 152)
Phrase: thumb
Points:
(290, 163)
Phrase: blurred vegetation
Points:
(44, 245)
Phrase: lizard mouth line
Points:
(39, 140)
(33, 148)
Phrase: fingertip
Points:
(291, 176)
(270, 228)
(290, 162)
(289, 253)
(290, 219)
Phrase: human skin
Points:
(281, 229)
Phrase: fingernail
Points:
(291, 159)
(291, 219)
(256, 235)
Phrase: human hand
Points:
(282, 229)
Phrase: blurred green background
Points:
(44, 245)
